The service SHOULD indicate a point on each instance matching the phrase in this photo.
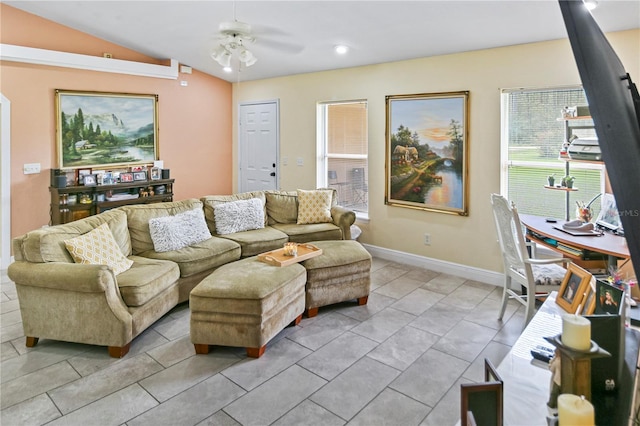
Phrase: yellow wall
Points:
(194, 121)
(464, 240)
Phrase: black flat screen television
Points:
(615, 108)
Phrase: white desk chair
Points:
(534, 275)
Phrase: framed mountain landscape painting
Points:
(427, 152)
(99, 130)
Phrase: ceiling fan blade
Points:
(279, 45)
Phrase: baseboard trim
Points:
(442, 266)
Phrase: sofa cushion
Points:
(282, 206)
(211, 200)
(201, 256)
(237, 216)
(138, 217)
(47, 244)
(170, 233)
(312, 232)
(258, 241)
(145, 279)
(98, 247)
(314, 206)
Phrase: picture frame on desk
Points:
(573, 287)
(609, 299)
(588, 305)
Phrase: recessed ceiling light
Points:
(341, 49)
(590, 4)
(227, 69)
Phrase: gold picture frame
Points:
(588, 303)
(573, 287)
(102, 130)
(427, 152)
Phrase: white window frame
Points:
(505, 163)
(322, 157)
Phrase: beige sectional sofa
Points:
(87, 303)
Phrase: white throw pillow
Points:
(314, 206)
(237, 216)
(170, 233)
(98, 247)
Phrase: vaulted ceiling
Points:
(293, 37)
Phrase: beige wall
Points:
(194, 121)
(464, 240)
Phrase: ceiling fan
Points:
(236, 36)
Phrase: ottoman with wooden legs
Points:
(246, 303)
(339, 274)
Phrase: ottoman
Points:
(246, 303)
(340, 273)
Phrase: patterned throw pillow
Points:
(170, 233)
(238, 216)
(98, 247)
(314, 206)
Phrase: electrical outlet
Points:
(427, 239)
(300, 161)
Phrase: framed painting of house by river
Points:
(427, 152)
(101, 130)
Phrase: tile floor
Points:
(397, 361)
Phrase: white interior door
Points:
(259, 139)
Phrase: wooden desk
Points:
(538, 229)
(527, 381)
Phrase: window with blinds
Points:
(533, 135)
(342, 149)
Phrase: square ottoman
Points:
(246, 303)
(340, 273)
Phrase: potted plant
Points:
(568, 181)
(551, 179)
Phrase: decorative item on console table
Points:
(98, 198)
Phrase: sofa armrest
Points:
(72, 302)
(77, 277)
(343, 218)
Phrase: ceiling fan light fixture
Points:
(341, 49)
(247, 57)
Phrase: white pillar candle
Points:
(576, 332)
(575, 411)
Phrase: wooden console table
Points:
(527, 381)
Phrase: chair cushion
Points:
(98, 247)
(550, 274)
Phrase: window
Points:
(342, 152)
(532, 136)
